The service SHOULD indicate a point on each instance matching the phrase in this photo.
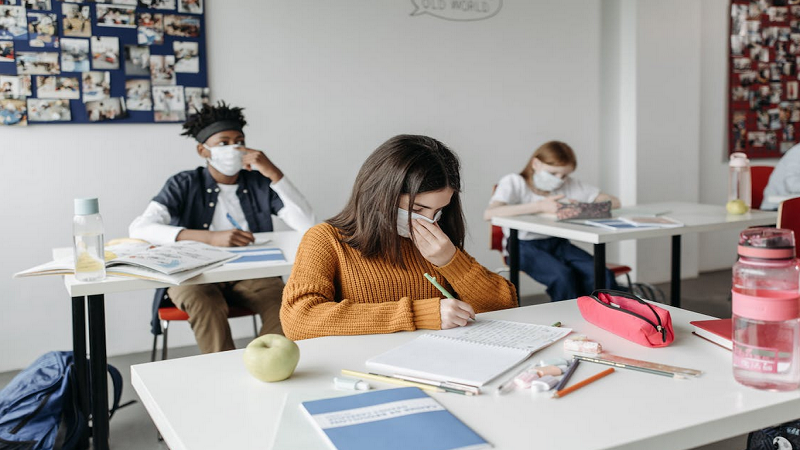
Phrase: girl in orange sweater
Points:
(361, 272)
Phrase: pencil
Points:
(583, 383)
(567, 375)
(390, 380)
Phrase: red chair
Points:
(169, 314)
(789, 217)
(759, 177)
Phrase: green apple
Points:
(271, 357)
(736, 206)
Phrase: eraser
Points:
(554, 362)
(549, 370)
(523, 380)
(582, 346)
(543, 384)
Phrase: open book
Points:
(633, 222)
(172, 263)
(472, 355)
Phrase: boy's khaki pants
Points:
(207, 307)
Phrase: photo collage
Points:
(93, 61)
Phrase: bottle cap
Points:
(767, 243)
(738, 159)
(86, 206)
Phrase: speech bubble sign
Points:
(458, 10)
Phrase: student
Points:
(362, 271)
(566, 270)
(784, 180)
(196, 204)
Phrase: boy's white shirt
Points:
(153, 225)
(513, 190)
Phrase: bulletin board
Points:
(94, 61)
(764, 110)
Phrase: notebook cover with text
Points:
(718, 331)
(390, 419)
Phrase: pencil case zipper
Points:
(658, 327)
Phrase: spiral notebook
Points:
(473, 355)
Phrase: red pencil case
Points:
(628, 316)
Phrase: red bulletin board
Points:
(764, 53)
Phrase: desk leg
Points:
(600, 266)
(79, 352)
(513, 261)
(675, 281)
(98, 377)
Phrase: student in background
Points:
(196, 204)
(362, 271)
(566, 270)
(784, 180)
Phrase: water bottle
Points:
(87, 232)
(766, 310)
(739, 195)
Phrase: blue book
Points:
(391, 419)
(261, 255)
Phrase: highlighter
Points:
(351, 384)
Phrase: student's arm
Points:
(296, 211)
(310, 308)
(153, 226)
(501, 209)
(603, 197)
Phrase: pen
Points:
(567, 375)
(456, 388)
(441, 289)
(625, 366)
(583, 383)
(233, 221)
(390, 380)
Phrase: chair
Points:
(789, 216)
(759, 177)
(167, 314)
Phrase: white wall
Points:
(633, 86)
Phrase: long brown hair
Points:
(553, 153)
(405, 164)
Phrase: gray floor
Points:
(131, 427)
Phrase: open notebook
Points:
(473, 355)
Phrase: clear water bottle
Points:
(739, 180)
(87, 233)
(766, 310)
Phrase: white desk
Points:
(697, 218)
(287, 241)
(211, 402)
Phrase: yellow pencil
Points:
(390, 380)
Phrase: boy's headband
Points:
(216, 127)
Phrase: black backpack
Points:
(39, 409)
(783, 437)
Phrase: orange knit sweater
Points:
(334, 290)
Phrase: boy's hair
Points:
(213, 119)
(553, 153)
(405, 164)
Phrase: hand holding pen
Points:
(454, 312)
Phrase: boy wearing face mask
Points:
(566, 270)
(222, 203)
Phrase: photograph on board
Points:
(196, 97)
(168, 104)
(42, 5)
(12, 22)
(137, 61)
(157, 4)
(162, 70)
(187, 57)
(96, 86)
(183, 26)
(106, 109)
(137, 95)
(13, 112)
(48, 110)
(151, 28)
(37, 63)
(6, 51)
(76, 20)
(190, 6)
(42, 30)
(57, 87)
(12, 86)
(116, 16)
(74, 55)
(105, 52)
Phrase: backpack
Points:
(39, 409)
(782, 437)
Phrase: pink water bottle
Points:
(766, 310)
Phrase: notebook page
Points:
(527, 336)
(439, 358)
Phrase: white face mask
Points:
(227, 159)
(546, 181)
(402, 221)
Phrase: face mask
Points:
(402, 221)
(546, 181)
(227, 159)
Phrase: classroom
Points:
(638, 88)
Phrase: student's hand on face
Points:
(550, 204)
(257, 160)
(455, 313)
(431, 241)
(231, 238)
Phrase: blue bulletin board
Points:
(94, 61)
